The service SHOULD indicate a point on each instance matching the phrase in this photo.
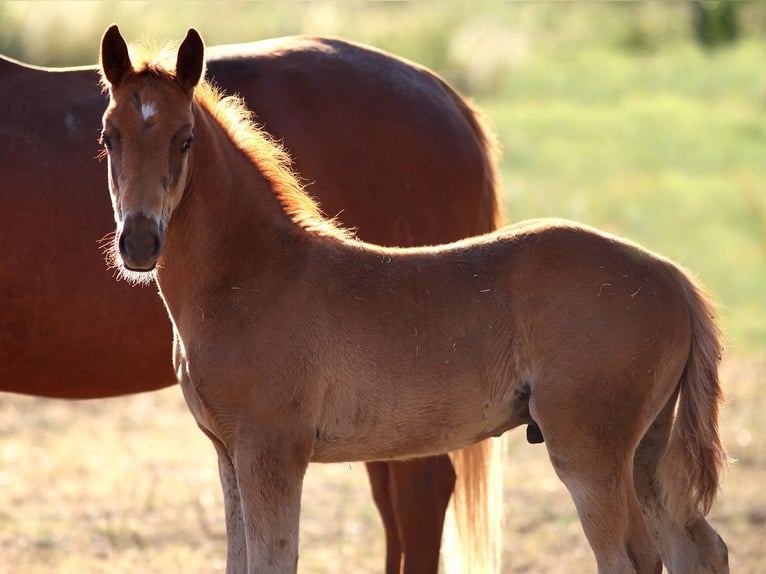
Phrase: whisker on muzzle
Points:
(108, 247)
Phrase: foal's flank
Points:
(297, 343)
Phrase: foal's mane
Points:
(270, 158)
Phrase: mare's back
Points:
(382, 142)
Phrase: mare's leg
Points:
(421, 490)
(380, 482)
(685, 548)
(270, 465)
(412, 498)
(591, 447)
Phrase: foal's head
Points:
(148, 132)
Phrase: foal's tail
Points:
(473, 536)
(691, 466)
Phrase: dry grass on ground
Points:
(130, 485)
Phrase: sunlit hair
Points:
(271, 159)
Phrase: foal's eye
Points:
(106, 142)
(187, 144)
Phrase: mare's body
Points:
(356, 123)
(66, 325)
(295, 343)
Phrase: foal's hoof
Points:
(534, 434)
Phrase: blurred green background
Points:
(643, 118)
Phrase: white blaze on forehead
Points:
(148, 110)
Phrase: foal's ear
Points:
(115, 61)
(191, 60)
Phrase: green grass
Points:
(675, 165)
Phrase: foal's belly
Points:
(424, 429)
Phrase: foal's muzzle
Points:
(140, 242)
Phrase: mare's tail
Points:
(690, 469)
(473, 535)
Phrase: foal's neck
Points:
(230, 222)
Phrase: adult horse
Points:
(295, 342)
(386, 145)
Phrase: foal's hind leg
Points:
(694, 548)
(609, 513)
(594, 461)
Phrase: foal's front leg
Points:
(236, 544)
(270, 465)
